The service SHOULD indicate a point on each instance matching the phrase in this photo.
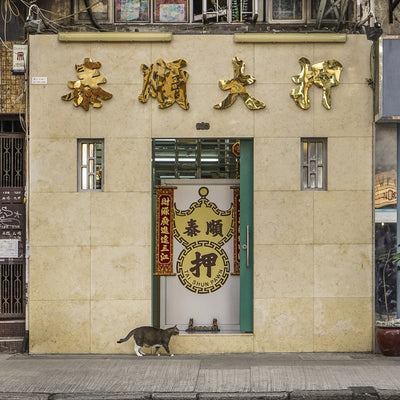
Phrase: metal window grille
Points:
(11, 161)
(12, 223)
(193, 158)
(227, 11)
(313, 165)
(90, 164)
(12, 290)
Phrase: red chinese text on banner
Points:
(164, 231)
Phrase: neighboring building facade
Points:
(95, 201)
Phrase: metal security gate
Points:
(12, 289)
(12, 235)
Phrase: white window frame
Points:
(285, 21)
(306, 14)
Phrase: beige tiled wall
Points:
(90, 253)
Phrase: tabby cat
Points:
(149, 336)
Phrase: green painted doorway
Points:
(246, 235)
(212, 159)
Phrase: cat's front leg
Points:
(166, 347)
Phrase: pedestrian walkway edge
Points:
(353, 393)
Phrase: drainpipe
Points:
(25, 344)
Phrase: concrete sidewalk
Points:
(270, 376)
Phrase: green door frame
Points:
(246, 235)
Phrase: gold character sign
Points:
(236, 86)
(86, 90)
(166, 82)
(324, 75)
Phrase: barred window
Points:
(313, 164)
(305, 11)
(90, 164)
(225, 11)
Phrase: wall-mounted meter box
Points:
(20, 58)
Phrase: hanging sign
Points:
(203, 266)
(164, 231)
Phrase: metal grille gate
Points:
(12, 289)
(12, 221)
(11, 161)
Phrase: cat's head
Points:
(175, 330)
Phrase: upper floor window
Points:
(302, 11)
(176, 11)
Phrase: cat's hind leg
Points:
(157, 347)
(137, 351)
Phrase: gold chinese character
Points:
(164, 257)
(166, 82)
(165, 201)
(325, 75)
(236, 86)
(164, 221)
(164, 230)
(164, 239)
(86, 90)
(164, 211)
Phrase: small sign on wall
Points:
(8, 248)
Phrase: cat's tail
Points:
(127, 336)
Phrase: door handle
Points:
(246, 246)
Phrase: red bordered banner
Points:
(236, 230)
(164, 231)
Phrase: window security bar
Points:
(218, 11)
(339, 7)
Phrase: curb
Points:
(353, 393)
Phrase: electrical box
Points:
(20, 58)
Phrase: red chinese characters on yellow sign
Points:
(164, 231)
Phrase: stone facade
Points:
(90, 253)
